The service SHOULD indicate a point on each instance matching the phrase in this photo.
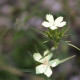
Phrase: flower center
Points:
(45, 62)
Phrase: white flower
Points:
(45, 65)
(53, 24)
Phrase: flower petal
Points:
(46, 52)
(49, 56)
(46, 58)
(40, 69)
(62, 24)
(50, 18)
(58, 20)
(46, 24)
(53, 27)
(48, 72)
(37, 56)
(54, 62)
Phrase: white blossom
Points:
(46, 64)
(53, 24)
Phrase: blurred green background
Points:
(20, 23)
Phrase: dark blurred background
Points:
(19, 20)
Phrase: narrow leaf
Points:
(30, 55)
(67, 59)
(26, 70)
(73, 46)
(45, 41)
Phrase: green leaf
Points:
(26, 70)
(73, 46)
(37, 30)
(67, 59)
(45, 41)
(30, 55)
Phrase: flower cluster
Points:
(55, 36)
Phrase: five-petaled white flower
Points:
(45, 65)
(53, 24)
